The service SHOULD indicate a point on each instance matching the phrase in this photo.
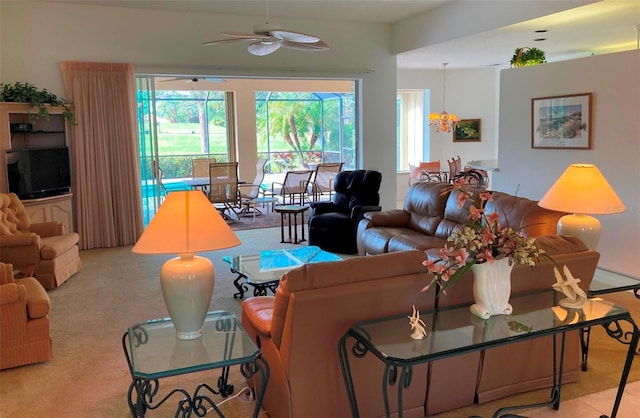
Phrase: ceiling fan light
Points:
(261, 49)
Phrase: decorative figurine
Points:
(417, 325)
(575, 295)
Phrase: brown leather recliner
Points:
(24, 320)
(42, 249)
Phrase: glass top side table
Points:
(153, 352)
(389, 339)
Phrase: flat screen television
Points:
(38, 172)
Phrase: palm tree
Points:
(297, 121)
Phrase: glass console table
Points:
(389, 339)
(153, 352)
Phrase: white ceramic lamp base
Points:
(187, 286)
(585, 227)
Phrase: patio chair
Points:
(157, 174)
(323, 179)
(295, 184)
(250, 192)
(223, 187)
(200, 167)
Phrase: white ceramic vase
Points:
(492, 288)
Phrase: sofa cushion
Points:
(524, 214)
(426, 202)
(54, 246)
(378, 238)
(17, 219)
(414, 241)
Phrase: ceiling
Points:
(602, 27)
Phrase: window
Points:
(411, 132)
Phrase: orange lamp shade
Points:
(186, 222)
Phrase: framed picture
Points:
(467, 130)
(561, 122)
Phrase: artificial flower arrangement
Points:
(483, 240)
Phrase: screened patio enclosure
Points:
(297, 130)
(293, 125)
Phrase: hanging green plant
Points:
(36, 98)
(524, 57)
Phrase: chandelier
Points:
(443, 121)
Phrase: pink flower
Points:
(462, 197)
(484, 196)
(475, 212)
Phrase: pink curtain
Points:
(104, 153)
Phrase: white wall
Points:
(35, 37)
(614, 81)
(471, 94)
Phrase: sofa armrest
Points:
(259, 312)
(357, 212)
(38, 302)
(389, 218)
(21, 249)
(11, 293)
(48, 229)
(324, 207)
(19, 240)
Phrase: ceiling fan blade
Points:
(263, 48)
(294, 36)
(244, 35)
(223, 41)
(316, 46)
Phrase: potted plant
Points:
(524, 57)
(28, 93)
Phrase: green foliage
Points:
(35, 97)
(524, 57)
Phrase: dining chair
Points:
(295, 184)
(323, 179)
(430, 171)
(455, 167)
(223, 187)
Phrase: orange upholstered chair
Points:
(24, 320)
(42, 249)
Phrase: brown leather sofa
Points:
(431, 213)
(298, 331)
(24, 320)
(42, 249)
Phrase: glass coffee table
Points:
(153, 352)
(263, 271)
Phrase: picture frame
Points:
(467, 130)
(561, 122)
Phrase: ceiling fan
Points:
(195, 79)
(268, 38)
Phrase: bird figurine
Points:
(575, 296)
(417, 325)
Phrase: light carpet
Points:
(88, 374)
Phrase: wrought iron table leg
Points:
(615, 330)
(241, 286)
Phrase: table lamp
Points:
(583, 191)
(186, 223)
